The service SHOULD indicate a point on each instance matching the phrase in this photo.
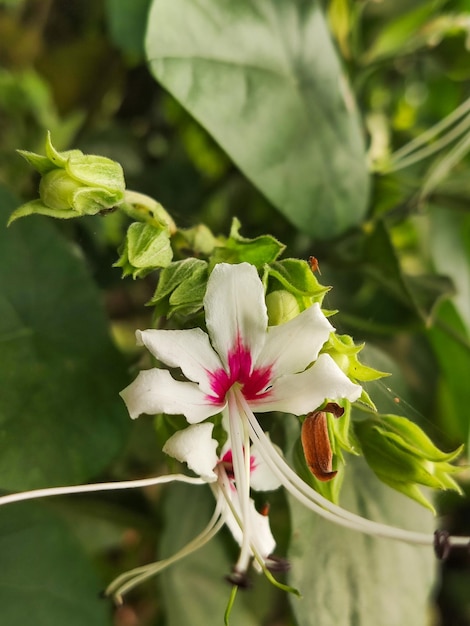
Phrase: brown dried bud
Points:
(316, 442)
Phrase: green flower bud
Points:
(73, 184)
(282, 306)
(403, 457)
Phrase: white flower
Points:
(196, 447)
(239, 367)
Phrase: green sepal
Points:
(296, 277)
(197, 241)
(37, 206)
(409, 436)
(341, 433)
(386, 458)
(367, 400)
(59, 159)
(41, 163)
(181, 288)
(97, 171)
(344, 351)
(145, 249)
(90, 201)
(408, 489)
(401, 455)
(259, 251)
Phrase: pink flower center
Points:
(227, 462)
(253, 383)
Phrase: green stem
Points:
(143, 208)
(230, 604)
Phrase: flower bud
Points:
(282, 306)
(73, 184)
(403, 457)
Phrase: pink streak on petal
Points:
(227, 461)
(254, 382)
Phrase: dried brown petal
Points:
(316, 442)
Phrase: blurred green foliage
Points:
(399, 262)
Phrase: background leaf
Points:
(449, 247)
(451, 345)
(127, 22)
(265, 81)
(61, 419)
(45, 579)
(350, 579)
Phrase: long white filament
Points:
(240, 442)
(111, 486)
(316, 502)
(127, 581)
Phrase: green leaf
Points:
(182, 283)
(264, 79)
(420, 294)
(449, 246)
(127, 22)
(348, 578)
(297, 277)
(237, 249)
(45, 578)
(146, 248)
(451, 344)
(193, 590)
(404, 34)
(61, 419)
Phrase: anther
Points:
(442, 545)
(240, 579)
(277, 564)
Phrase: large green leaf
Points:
(264, 79)
(61, 419)
(45, 579)
(127, 22)
(449, 246)
(451, 344)
(350, 579)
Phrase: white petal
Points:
(195, 447)
(235, 309)
(155, 391)
(262, 477)
(189, 350)
(261, 537)
(292, 346)
(305, 392)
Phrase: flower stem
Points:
(230, 604)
